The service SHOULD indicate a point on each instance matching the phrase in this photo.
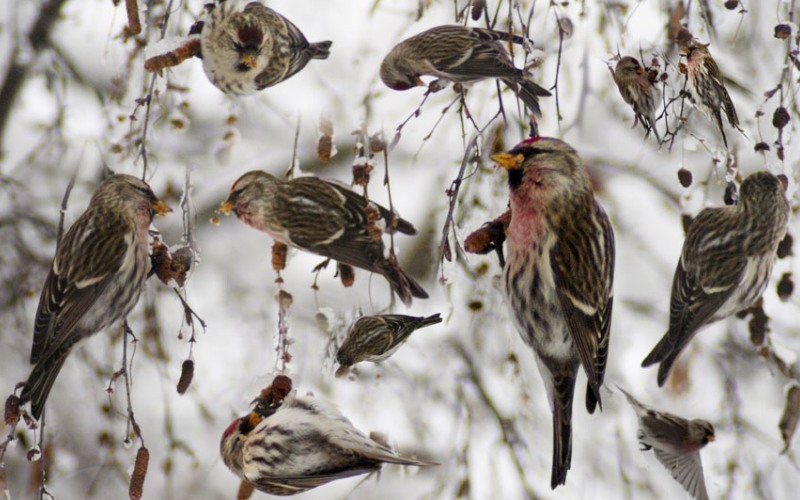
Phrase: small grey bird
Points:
(706, 87)
(246, 47)
(638, 91)
(304, 443)
(99, 271)
(462, 55)
(322, 217)
(725, 264)
(676, 442)
(375, 338)
(559, 277)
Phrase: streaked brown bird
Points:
(676, 443)
(304, 443)
(322, 217)
(725, 264)
(246, 47)
(637, 89)
(462, 55)
(706, 88)
(96, 277)
(375, 338)
(559, 277)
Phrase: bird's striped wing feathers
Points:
(332, 219)
(587, 303)
(687, 469)
(76, 279)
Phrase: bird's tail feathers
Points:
(665, 353)
(39, 383)
(562, 441)
(402, 284)
(430, 320)
(529, 92)
(319, 50)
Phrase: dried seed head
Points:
(761, 146)
(758, 326)
(783, 31)
(731, 194)
(189, 49)
(325, 142)
(790, 417)
(187, 373)
(785, 247)
(246, 490)
(134, 26)
(139, 472)
(361, 171)
(11, 413)
(377, 143)
(685, 177)
(780, 118)
(785, 287)
(477, 9)
(347, 274)
(279, 256)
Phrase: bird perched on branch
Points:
(304, 443)
(323, 217)
(375, 338)
(559, 276)
(676, 443)
(96, 277)
(246, 47)
(462, 55)
(725, 264)
(639, 91)
(706, 88)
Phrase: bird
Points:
(246, 46)
(725, 264)
(676, 443)
(639, 91)
(706, 88)
(99, 271)
(558, 277)
(323, 217)
(375, 338)
(303, 443)
(459, 54)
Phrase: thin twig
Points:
(188, 314)
(414, 114)
(125, 371)
(511, 437)
(289, 174)
(452, 193)
(64, 204)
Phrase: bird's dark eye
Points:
(242, 68)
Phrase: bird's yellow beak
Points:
(686, 50)
(161, 208)
(226, 208)
(710, 437)
(249, 60)
(639, 70)
(508, 161)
